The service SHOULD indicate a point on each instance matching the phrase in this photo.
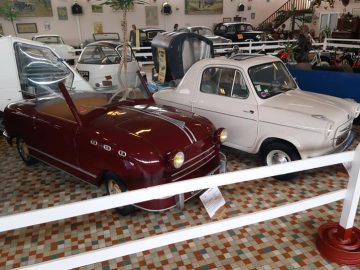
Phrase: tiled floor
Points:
(284, 243)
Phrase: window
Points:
(224, 82)
(40, 70)
(271, 79)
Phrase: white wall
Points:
(111, 20)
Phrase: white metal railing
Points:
(350, 196)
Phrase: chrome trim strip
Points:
(63, 162)
(167, 119)
(192, 165)
(195, 170)
(191, 133)
(191, 159)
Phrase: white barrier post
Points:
(325, 44)
(250, 46)
(340, 242)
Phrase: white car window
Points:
(224, 82)
(240, 89)
(50, 40)
(99, 55)
(271, 79)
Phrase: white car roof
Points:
(11, 39)
(245, 63)
(37, 36)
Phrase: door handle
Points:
(250, 111)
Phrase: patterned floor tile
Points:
(283, 243)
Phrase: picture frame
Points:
(25, 28)
(253, 15)
(97, 8)
(34, 8)
(151, 15)
(195, 7)
(62, 13)
(249, 8)
(226, 19)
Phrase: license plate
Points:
(240, 36)
(84, 74)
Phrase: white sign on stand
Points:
(212, 200)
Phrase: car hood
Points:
(306, 109)
(164, 128)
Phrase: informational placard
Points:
(212, 200)
(162, 65)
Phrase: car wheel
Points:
(114, 185)
(278, 153)
(23, 150)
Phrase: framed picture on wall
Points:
(24, 28)
(202, 7)
(227, 19)
(62, 13)
(151, 15)
(253, 16)
(97, 8)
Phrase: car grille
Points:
(342, 133)
(194, 161)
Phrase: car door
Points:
(225, 99)
(55, 138)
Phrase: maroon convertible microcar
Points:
(121, 139)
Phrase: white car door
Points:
(225, 98)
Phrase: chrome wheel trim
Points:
(277, 157)
(24, 150)
(113, 187)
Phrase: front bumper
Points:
(180, 199)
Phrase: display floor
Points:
(284, 243)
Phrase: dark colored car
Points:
(147, 35)
(238, 32)
(121, 139)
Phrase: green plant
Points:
(9, 12)
(124, 6)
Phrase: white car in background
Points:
(99, 64)
(55, 42)
(256, 99)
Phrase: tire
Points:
(23, 151)
(277, 153)
(114, 185)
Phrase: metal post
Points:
(325, 44)
(352, 195)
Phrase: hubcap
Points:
(24, 150)
(277, 157)
(113, 187)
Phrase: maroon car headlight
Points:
(177, 159)
(220, 135)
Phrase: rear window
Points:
(99, 55)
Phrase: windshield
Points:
(40, 70)
(103, 54)
(203, 31)
(86, 102)
(50, 40)
(271, 79)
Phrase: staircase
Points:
(291, 8)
